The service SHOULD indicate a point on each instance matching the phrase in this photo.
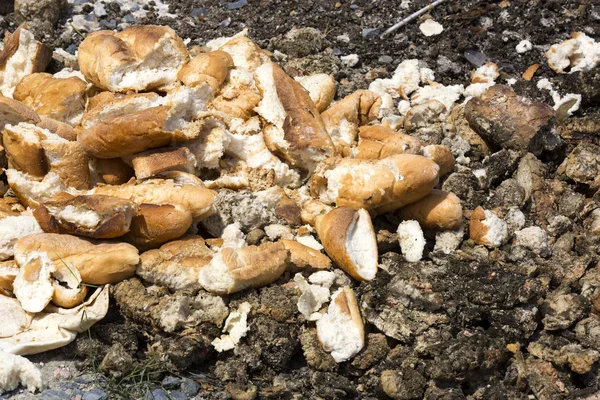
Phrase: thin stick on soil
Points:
(411, 17)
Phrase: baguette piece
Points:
(69, 161)
(304, 258)
(208, 68)
(176, 265)
(320, 87)
(33, 284)
(98, 263)
(13, 112)
(487, 228)
(238, 96)
(111, 171)
(185, 191)
(441, 155)
(23, 147)
(349, 239)
(95, 216)
(154, 225)
(139, 58)
(343, 118)
(69, 291)
(341, 330)
(10, 207)
(295, 130)
(62, 99)
(31, 191)
(379, 186)
(233, 270)
(152, 162)
(378, 141)
(439, 210)
(22, 55)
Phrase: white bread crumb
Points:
(412, 240)
(236, 326)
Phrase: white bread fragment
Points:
(33, 285)
(412, 240)
(56, 327)
(244, 52)
(311, 299)
(32, 191)
(580, 53)
(349, 239)
(341, 330)
(139, 58)
(8, 273)
(13, 319)
(320, 87)
(16, 370)
(487, 228)
(14, 228)
(236, 326)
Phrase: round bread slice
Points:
(349, 239)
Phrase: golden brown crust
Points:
(8, 273)
(62, 99)
(152, 162)
(10, 207)
(127, 134)
(68, 297)
(358, 108)
(59, 128)
(12, 112)
(303, 257)
(378, 141)
(69, 161)
(22, 154)
(98, 264)
(113, 171)
(154, 225)
(208, 68)
(100, 99)
(477, 229)
(438, 210)
(41, 59)
(237, 104)
(441, 155)
(346, 301)
(114, 216)
(332, 229)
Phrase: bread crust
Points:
(477, 229)
(152, 162)
(441, 155)
(114, 216)
(98, 263)
(303, 257)
(377, 141)
(22, 154)
(439, 210)
(208, 68)
(59, 128)
(13, 112)
(69, 161)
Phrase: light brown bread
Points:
(441, 155)
(13, 112)
(439, 210)
(98, 263)
(379, 186)
(207, 68)
(23, 146)
(295, 130)
(303, 257)
(349, 239)
(320, 87)
(377, 141)
(59, 128)
(69, 161)
(112, 171)
(152, 162)
(96, 216)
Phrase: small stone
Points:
(354, 6)
(189, 387)
(403, 385)
(225, 23)
(350, 60)
(199, 12)
(130, 19)
(369, 33)
(54, 395)
(170, 382)
(175, 395)
(583, 165)
(385, 60)
(338, 4)
(99, 10)
(237, 4)
(117, 361)
(95, 394)
(156, 394)
(563, 310)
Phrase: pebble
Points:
(177, 396)
(384, 60)
(199, 12)
(354, 6)
(99, 10)
(156, 394)
(237, 4)
(475, 57)
(95, 394)
(369, 33)
(170, 381)
(337, 52)
(130, 19)
(189, 387)
(50, 394)
(225, 23)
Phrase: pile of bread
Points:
(113, 168)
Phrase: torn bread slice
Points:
(349, 239)
(152, 162)
(22, 55)
(377, 141)
(176, 264)
(206, 69)
(13, 319)
(439, 210)
(69, 290)
(341, 330)
(16, 370)
(31, 191)
(411, 240)
(487, 228)
(320, 87)
(95, 216)
(139, 58)
(59, 128)
(153, 225)
(111, 171)
(69, 161)
(23, 146)
(13, 112)
(177, 190)
(62, 99)
(344, 117)
(303, 258)
(295, 130)
(98, 263)
(232, 270)
(379, 186)
(14, 228)
(8, 273)
(33, 285)
(238, 96)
